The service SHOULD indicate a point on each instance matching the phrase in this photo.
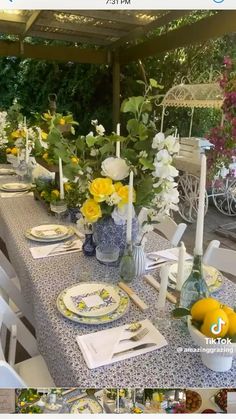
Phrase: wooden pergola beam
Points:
(157, 23)
(107, 15)
(51, 53)
(57, 36)
(215, 26)
(30, 22)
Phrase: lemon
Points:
(232, 324)
(201, 307)
(211, 319)
(228, 310)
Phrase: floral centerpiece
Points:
(149, 154)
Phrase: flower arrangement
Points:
(145, 151)
(224, 136)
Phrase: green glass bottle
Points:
(127, 265)
(195, 286)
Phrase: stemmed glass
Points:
(59, 207)
(21, 170)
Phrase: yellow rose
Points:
(68, 187)
(55, 194)
(14, 151)
(117, 186)
(123, 193)
(44, 136)
(91, 210)
(43, 193)
(101, 188)
(45, 156)
(74, 160)
(47, 115)
(62, 121)
(8, 150)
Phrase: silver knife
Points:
(136, 348)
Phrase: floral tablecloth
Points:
(43, 279)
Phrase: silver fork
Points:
(138, 336)
(66, 245)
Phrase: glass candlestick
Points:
(127, 264)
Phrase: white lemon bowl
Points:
(215, 356)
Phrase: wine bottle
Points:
(195, 286)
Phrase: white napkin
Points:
(163, 256)
(15, 194)
(45, 251)
(98, 348)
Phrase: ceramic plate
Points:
(4, 171)
(15, 187)
(49, 231)
(213, 277)
(86, 405)
(29, 236)
(119, 312)
(91, 300)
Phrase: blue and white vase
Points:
(139, 260)
(106, 231)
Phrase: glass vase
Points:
(127, 265)
(139, 260)
(89, 246)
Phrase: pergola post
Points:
(116, 90)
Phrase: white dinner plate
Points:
(5, 172)
(47, 240)
(49, 231)
(86, 405)
(91, 299)
(213, 277)
(15, 187)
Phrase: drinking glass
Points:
(59, 207)
(21, 170)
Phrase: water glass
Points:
(59, 207)
(107, 254)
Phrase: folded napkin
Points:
(55, 249)
(15, 194)
(99, 348)
(163, 256)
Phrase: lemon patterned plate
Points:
(29, 236)
(15, 187)
(49, 231)
(213, 277)
(92, 300)
(119, 312)
(86, 405)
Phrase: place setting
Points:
(58, 239)
(15, 189)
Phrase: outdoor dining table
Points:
(43, 279)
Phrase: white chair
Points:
(168, 227)
(30, 373)
(10, 289)
(222, 259)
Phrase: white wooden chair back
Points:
(222, 259)
(9, 289)
(172, 231)
(18, 332)
(168, 227)
(9, 377)
(190, 149)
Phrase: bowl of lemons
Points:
(212, 326)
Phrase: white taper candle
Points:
(130, 209)
(163, 286)
(62, 196)
(118, 142)
(26, 142)
(201, 209)
(180, 273)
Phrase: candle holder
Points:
(127, 264)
